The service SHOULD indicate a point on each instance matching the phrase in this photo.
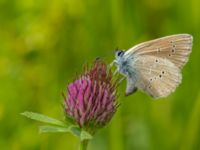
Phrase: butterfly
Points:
(154, 67)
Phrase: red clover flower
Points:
(91, 99)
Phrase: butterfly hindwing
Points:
(155, 76)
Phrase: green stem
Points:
(84, 144)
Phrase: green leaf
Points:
(75, 131)
(82, 134)
(43, 129)
(61, 126)
(85, 135)
(43, 118)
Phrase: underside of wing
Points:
(157, 77)
(175, 48)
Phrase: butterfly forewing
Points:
(175, 48)
(158, 77)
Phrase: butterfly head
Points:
(119, 53)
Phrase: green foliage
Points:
(85, 136)
(43, 118)
(44, 44)
(43, 129)
(81, 134)
(61, 126)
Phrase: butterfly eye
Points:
(120, 53)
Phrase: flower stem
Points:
(84, 144)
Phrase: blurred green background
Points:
(44, 44)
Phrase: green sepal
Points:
(85, 135)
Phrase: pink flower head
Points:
(91, 99)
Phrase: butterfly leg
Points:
(134, 90)
(111, 64)
(130, 88)
(122, 79)
(116, 72)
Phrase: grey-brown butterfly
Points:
(155, 66)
